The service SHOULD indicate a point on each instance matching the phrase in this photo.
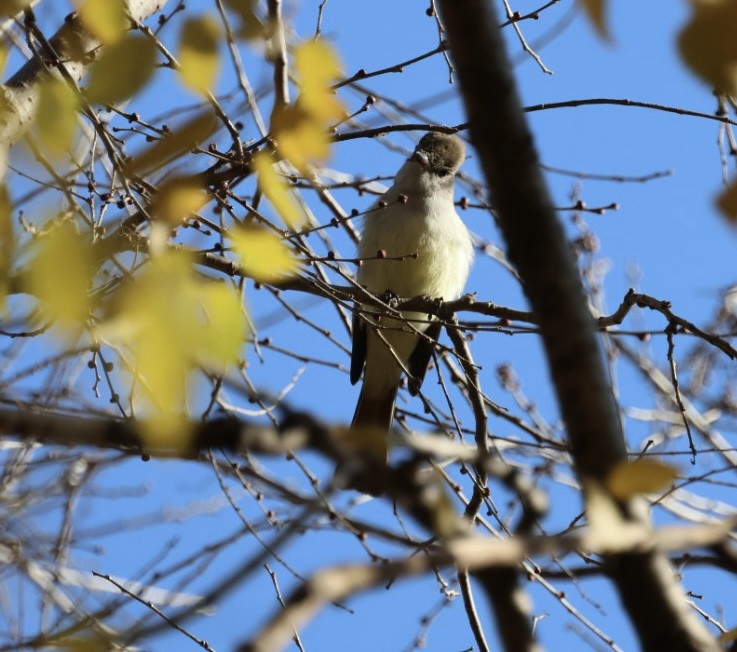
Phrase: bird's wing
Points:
(358, 352)
(420, 358)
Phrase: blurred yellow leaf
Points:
(316, 63)
(300, 139)
(251, 25)
(301, 130)
(198, 53)
(13, 7)
(264, 255)
(603, 514)
(105, 19)
(272, 185)
(728, 636)
(178, 199)
(174, 321)
(3, 58)
(221, 307)
(596, 11)
(56, 120)
(7, 244)
(173, 144)
(122, 70)
(708, 43)
(642, 476)
(317, 66)
(60, 275)
(85, 639)
(727, 202)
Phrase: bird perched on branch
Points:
(413, 244)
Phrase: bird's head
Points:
(440, 154)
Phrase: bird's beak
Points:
(421, 158)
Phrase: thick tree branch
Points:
(538, 248)
(475, 553)
(75, 46)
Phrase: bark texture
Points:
(537, 246)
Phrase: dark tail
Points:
(371, 422)
(375, 413)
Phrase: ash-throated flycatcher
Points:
(413, 244)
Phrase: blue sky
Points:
(666, 229)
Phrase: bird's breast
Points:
(427, 251)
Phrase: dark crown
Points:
(444, 152)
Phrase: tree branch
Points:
(75, 46)
(475, 553)
(538, 248)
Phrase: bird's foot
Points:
(390, 299)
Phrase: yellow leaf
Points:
(251, 25)
(7, 245)
(276, 191)
(727, 202)
(728, 636)
(173, 144)
(317, 66)
(178, 199)
(323, 105)
(173, 322)
(708, 43)
(264, 256)
(105, 19)
(84, 639)
(642, 476)
(603, 514)
(300, 139)
(60, 275)
(3, 58)
(316, 63)
(122, 70)
(198, 53)
(300, 131)
(56, 120)
(223, 312)
(163, 430)
(163, 371)
(13, 7)
(596, 11)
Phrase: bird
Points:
(413, 243)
